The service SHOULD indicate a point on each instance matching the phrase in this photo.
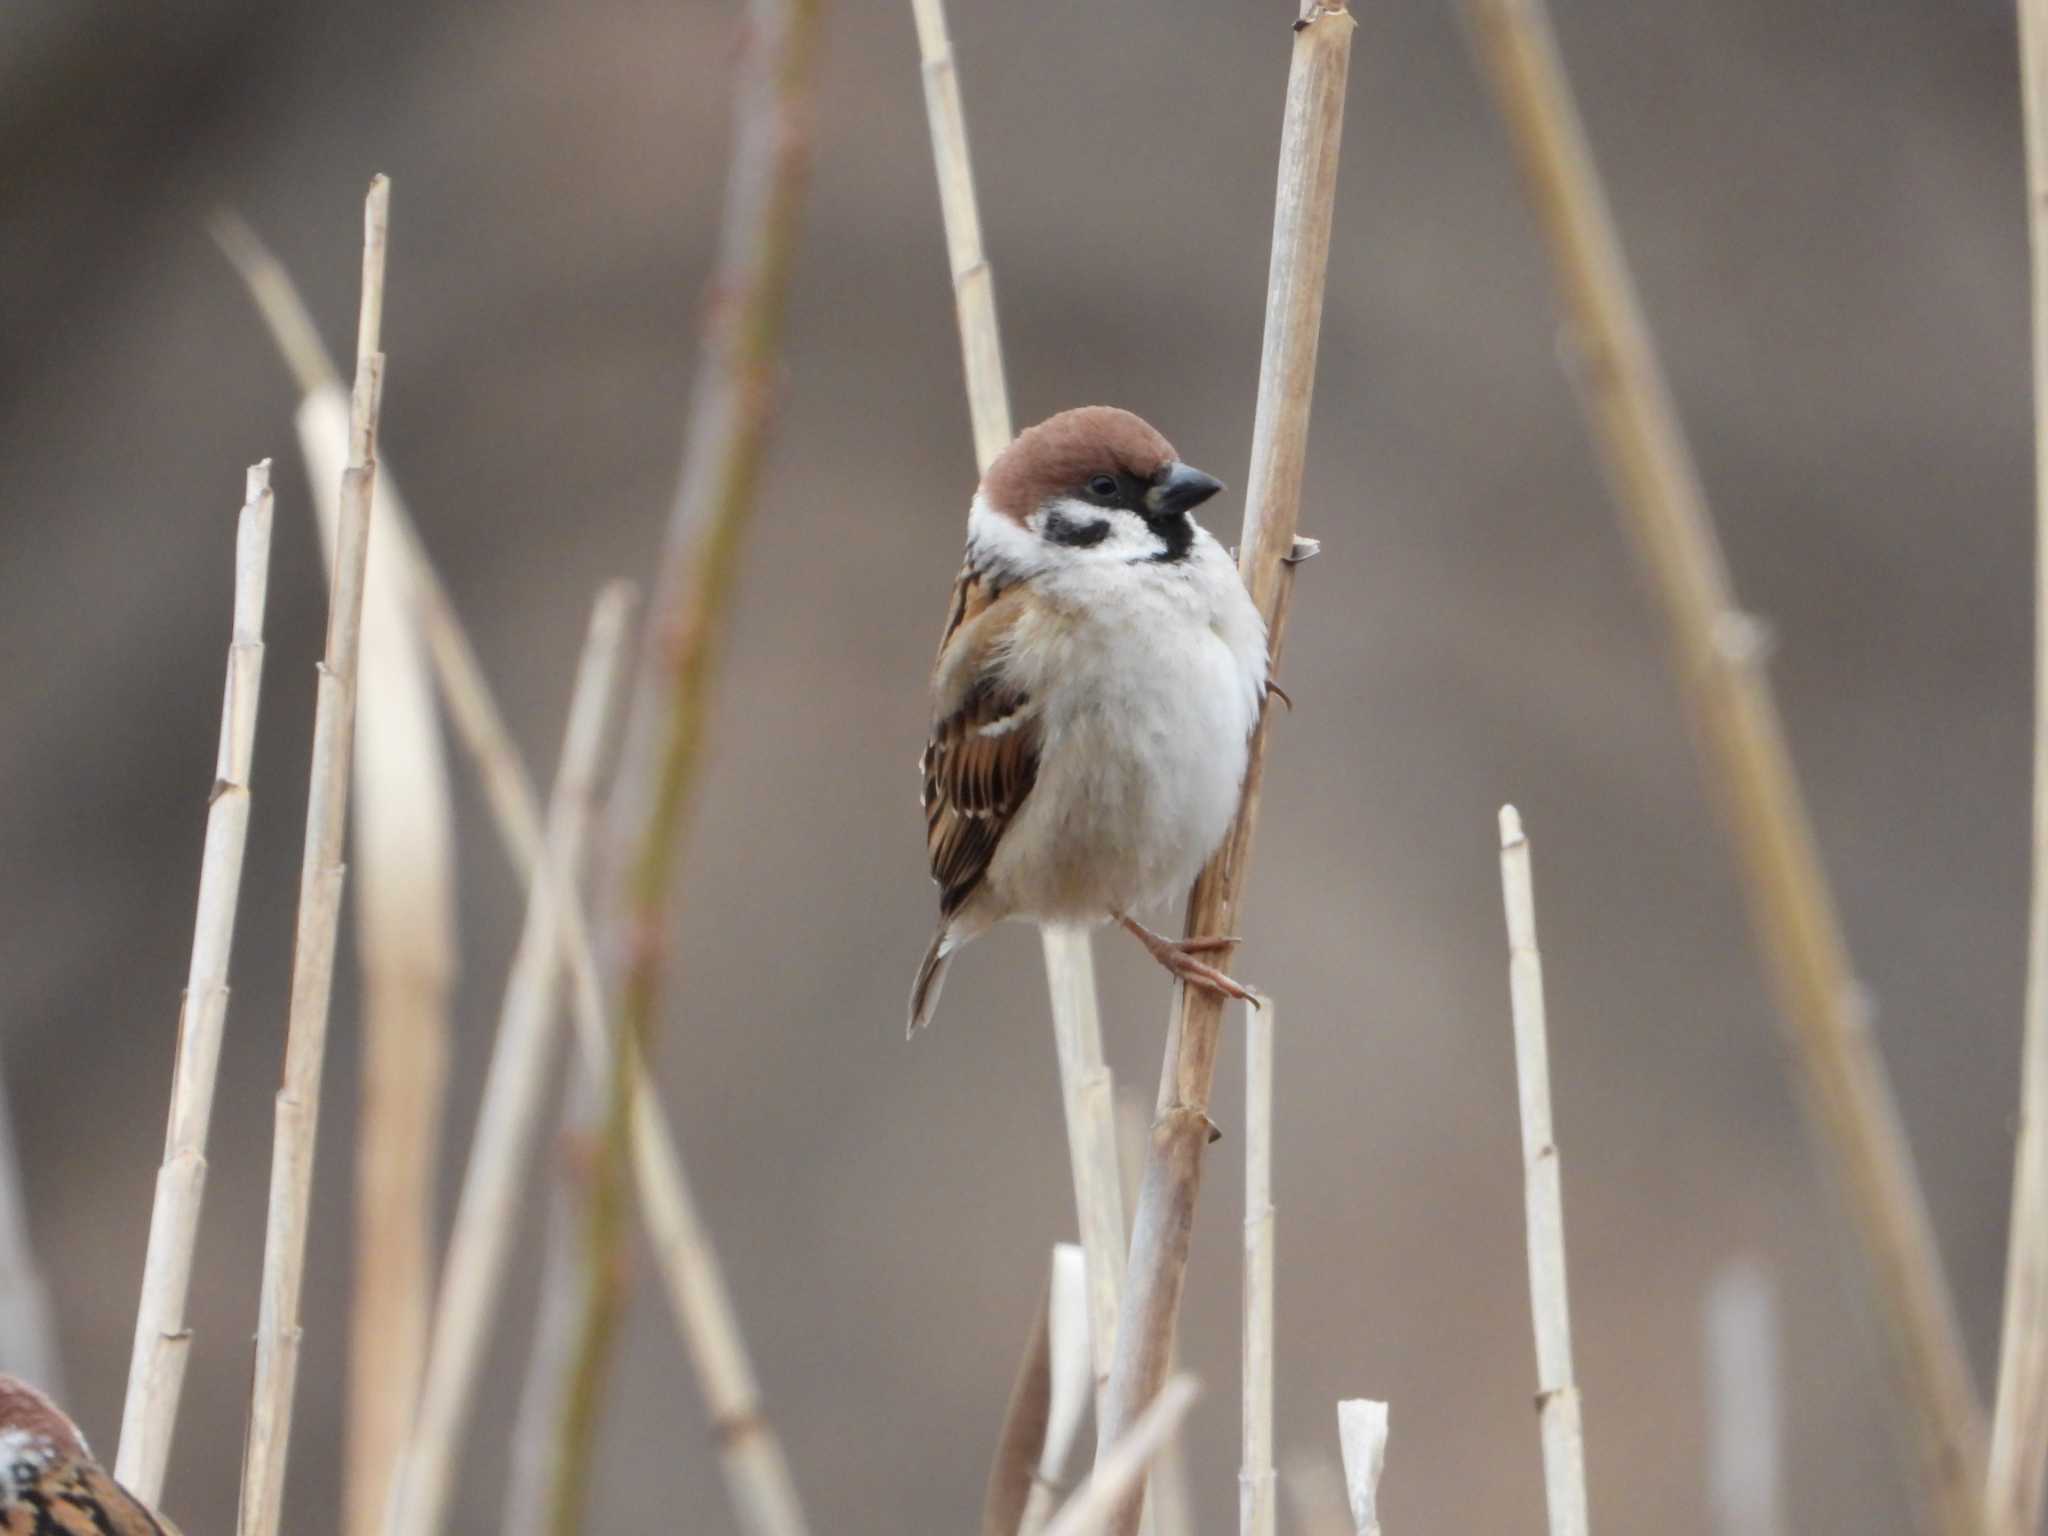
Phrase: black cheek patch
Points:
(1058, 528)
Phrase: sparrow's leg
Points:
(1178, 956)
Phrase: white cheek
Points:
(996, 536)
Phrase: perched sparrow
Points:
(1094, 697)
(49, 1483)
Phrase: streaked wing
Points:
(982, 758)
(78, 1499)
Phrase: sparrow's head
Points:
(1102, 481)
(34, 1434)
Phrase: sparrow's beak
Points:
(1181, 489)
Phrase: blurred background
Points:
(1824, 205)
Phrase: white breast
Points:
(1148, 678)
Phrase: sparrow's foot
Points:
(1178, 956)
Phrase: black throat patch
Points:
(1177, 530)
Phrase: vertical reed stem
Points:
(1718, 659)
(320, 885)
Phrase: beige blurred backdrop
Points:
(1824, 205)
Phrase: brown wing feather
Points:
(78, 1499)
(982, 758)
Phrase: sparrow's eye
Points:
(1103, 486)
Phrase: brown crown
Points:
(1061, 453)
(27, 1411)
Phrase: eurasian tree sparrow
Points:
(1094, 697)
(49, 1483)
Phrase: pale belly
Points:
(1138, 777)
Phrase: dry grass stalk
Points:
(1069, 1387)
(2019, 1424)
(1169, 1500)
(163, 1339)
(1362, 1436)
(1719, 665)
(1557, 1394)
(1294, 304)
(724, 450)
(1013, 1475)
(1745, 1413)
(1120, 1470)
(28, 1335)
(404, 867)
(319, 920)
(1087, 1090)
(753, 1460)
(487, 1214)
(1045, 1404)
(1257, 1482)
(757, 1474)
(557, 1308)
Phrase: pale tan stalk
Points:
(1362, 1437)
(751, 1454)
(1557, 1394)
(757, 1474)
(530, 1456)
(163, 1338)
(1745, 1403)
(1257, 1485)
(298, 1100)
(487, 1214)
(404, 864)
(1718, 659)
(2019, 1423)
(28, 1336)
(1306, 195)
(725, 446)
(1120, 1470)
(1069, 1385)
(1169, 1500)
(1087, 1091)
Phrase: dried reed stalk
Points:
(751, 1455)
(28, 1335)
(1719, 667)
(1046, 1402)
(163, 1339)
(487, 1214)
(1120, 1470)
(2019, 1422)
(1557, 1394)
(1087, 1090)
(1745, 1412)
(1257, 1484)
(404, 864)
(1362, 1436)
(1169, 1501)
(724, 448)
(1294, 305)
(320, 887)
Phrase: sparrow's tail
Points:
(931, 976)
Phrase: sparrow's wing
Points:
(76, 1498)
(982, 758)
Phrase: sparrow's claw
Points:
(1304, 549)
(1285, 697)
(1208, 978)
(1178, 956)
